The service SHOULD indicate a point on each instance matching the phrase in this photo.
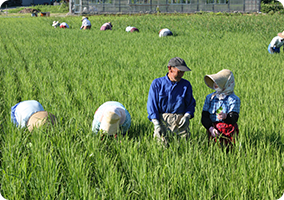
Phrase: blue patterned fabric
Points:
(13, 114)
(230, 103)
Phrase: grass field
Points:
(72, 72)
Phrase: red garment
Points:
(227, 132)
(105, 27)
(134, 29)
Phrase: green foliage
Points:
(63, 8)
(71, 72)
(271, 8)
(219, 110)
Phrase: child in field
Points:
(131, 29)
(106, 26)
(61, 25)
(111, 117)
(86, 24)
(221, 108)
(165, 32)
(30, 114)
(276, 43)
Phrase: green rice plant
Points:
(71, 72)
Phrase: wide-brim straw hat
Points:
(110, 122)
(84, 18)
(281, 34)
(40, 118)
(220, 79)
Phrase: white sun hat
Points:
(128, 28)
(112, 118)
(221, 78)
(55, 24)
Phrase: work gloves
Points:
(213, 131)
(159, 132)
(184, 121)
(158, 129)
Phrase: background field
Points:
(72, 72)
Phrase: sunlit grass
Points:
(72, 72)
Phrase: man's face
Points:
(175, 74)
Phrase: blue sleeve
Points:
(234, 104)
(190, 102)
(206, 105)
(152, 103)
(13, 116)
(126, 125)
(96, 126)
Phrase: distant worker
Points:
(34, 13)
(276, 43)
(131, 29)
(221, 108)
(30, 114)
(86, 24)
(61, 25)
(106, 26)
(165, 32)
(111, 118)
(170, 102)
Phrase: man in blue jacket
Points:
(170, 103)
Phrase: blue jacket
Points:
(168, 97)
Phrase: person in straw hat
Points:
(106, 26)
(86, 24)
(276, 43)
(111, 118)
(30, 114)
(170, 103)
(165, 32)
(61, 25)
(221, 108)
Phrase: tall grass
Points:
(72, 72)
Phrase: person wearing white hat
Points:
(106, 26)
(165, 32)
(61, 25)
(86, 24)
(131, 29)
(221, 108)
(111, 118)
(30, 114)
(276, 43)
(170, 103)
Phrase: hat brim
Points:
(183, 68)
(209, 81)
(280, 35)
(111, 129)
(220, 78)
(110, 123)
(40, 118)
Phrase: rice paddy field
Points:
(71, 72)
